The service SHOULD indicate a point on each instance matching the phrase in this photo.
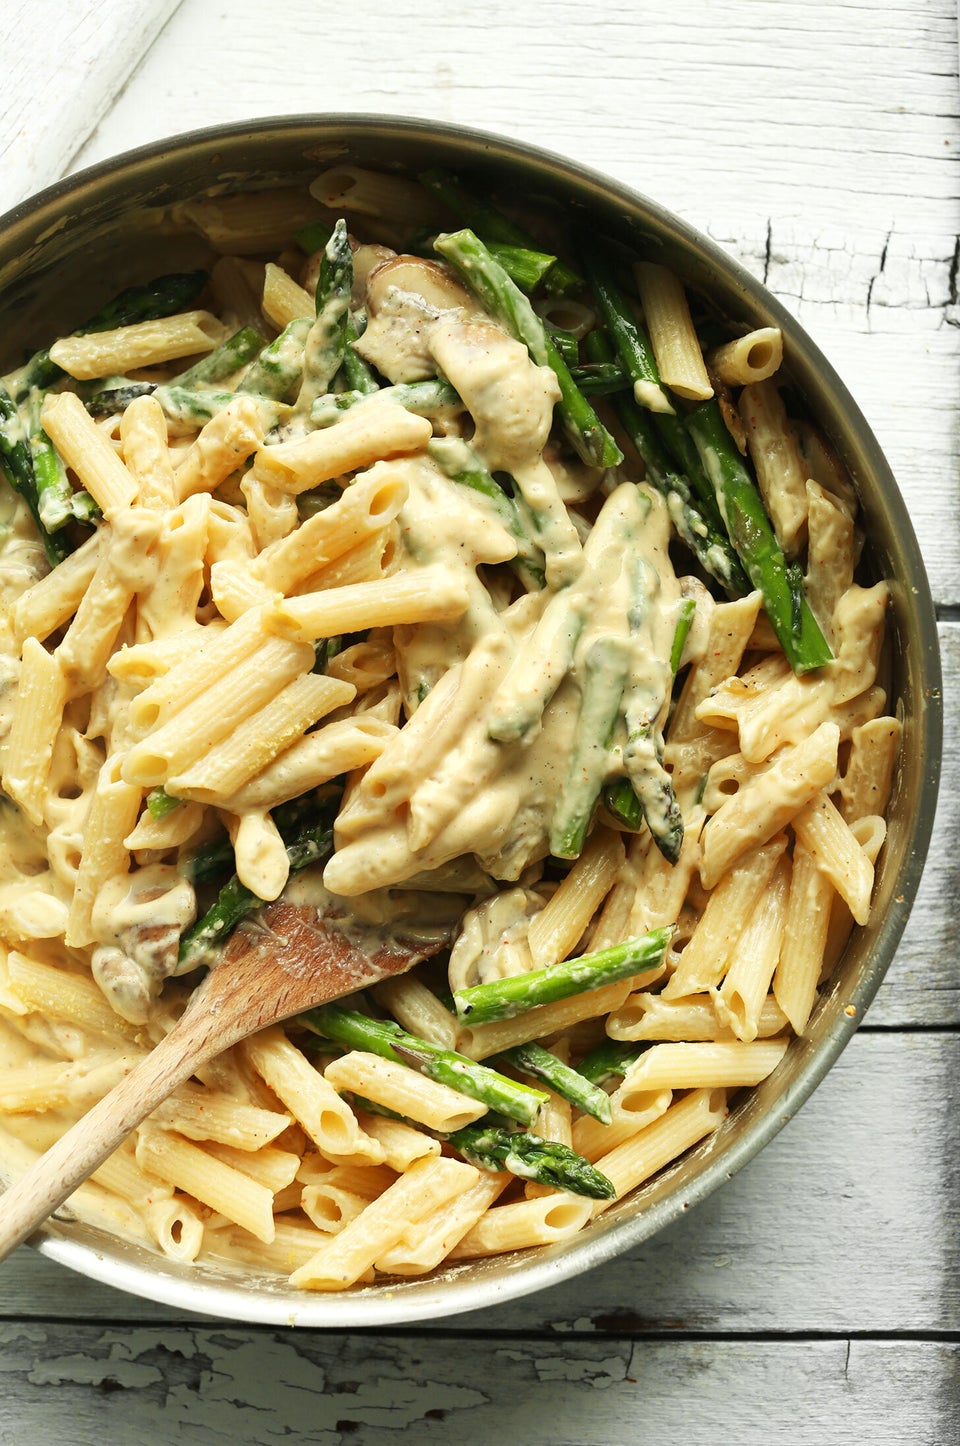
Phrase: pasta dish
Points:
(470, 577)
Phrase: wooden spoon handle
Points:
(83, 1148)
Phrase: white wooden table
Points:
(816, 1298)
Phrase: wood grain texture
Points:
(817, 141)
(64, 66)
(846, 1222)
(201, 1385)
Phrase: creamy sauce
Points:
(503, 696)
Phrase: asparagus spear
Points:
(16, 460)
(463, 466)
(357, 373)
(225, 359)
(678, 444)
(427, 399)
(493, 226)
(605, 673)
(200, 943)
(485, 276)
(113, 399)
(278, 370)
(648, 792)
(547, 654)
(505, 998)
(533, 1059)
(160, 803)
(599, 378)
(643, 754)
(629, 338)
(685, 612)
(566, 343)
(161, 297)
(522, 264)
(752, 536)
(650, 798)
(385, 1038)
(542, 662)
(611, 1057)
(531, 1158)
(324, 346)
(705, 537)
(57, 502)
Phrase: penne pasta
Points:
(144, 344)
(675, 342)
(378, 619)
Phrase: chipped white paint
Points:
(219, 1386)
(818, 141)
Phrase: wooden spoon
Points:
(291, 957)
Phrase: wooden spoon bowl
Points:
(287, 959)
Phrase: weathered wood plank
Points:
(846, 1222)
(87, 1384)
(759, 122)
(63, 67)
(838, 181)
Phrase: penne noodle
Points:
(776, 457)
(404, 1091)
(427, 1186)
(367, 433)
(375, 618)
(84, 447)
(144, 344)
(750, 358)
(684, 1124)
(542, 1221)
(429, 597)
(675, 343)
(187, 1167)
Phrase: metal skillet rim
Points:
(150, 1276)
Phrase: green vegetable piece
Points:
(628, 336)
(16, 460)
(494, 227)
(533, 1059)
(200, 945)
(358, 374)
(387, 1039)
(278, 370)
(531, 1158)
(325, 342)
(225, 359)
(160, 803)
(706, 539)
(612, 1057)
(505, 998)
(780, 583)
(523, 265)
(163, 296)
(504, 300)
(110, 401)
(605, 673)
